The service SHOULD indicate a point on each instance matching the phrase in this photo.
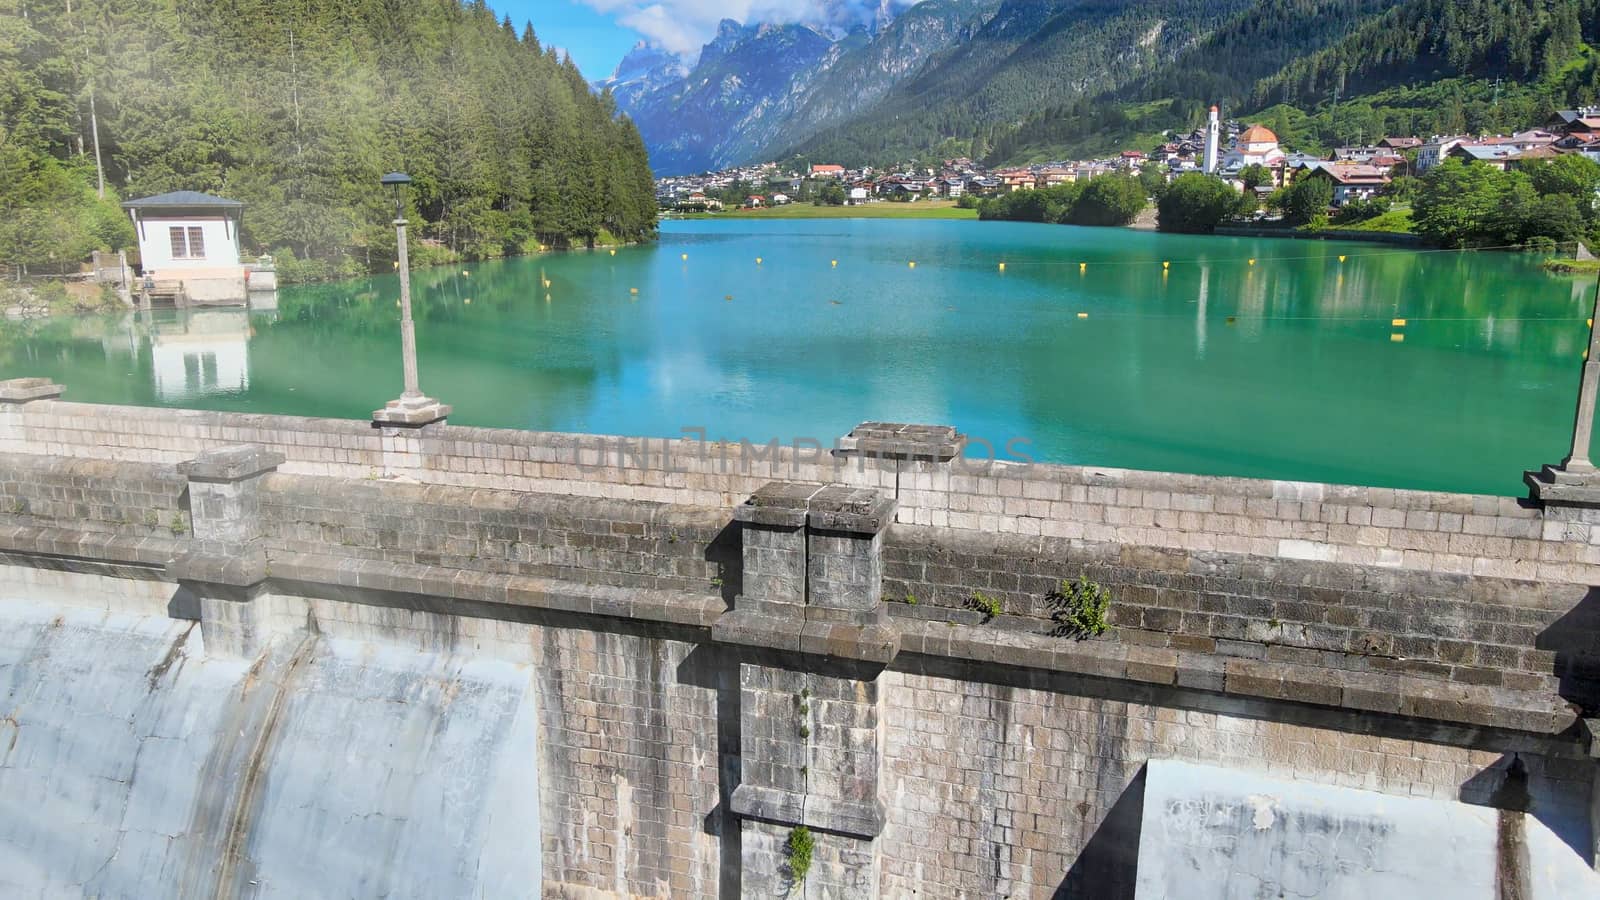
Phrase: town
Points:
(1248, 156)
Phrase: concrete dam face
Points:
(355, 762)
(252, 656)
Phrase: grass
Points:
(1397, 219)
(1572, 266)
(922, 209)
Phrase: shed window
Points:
(187, 243)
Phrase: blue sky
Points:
(595, 40)
(597, 33)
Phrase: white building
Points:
(192, 239)
(1256, 146)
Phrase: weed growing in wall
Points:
(798, 849)
(802, 705)
(1078, 609)
(983, 603)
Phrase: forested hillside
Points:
(1030, 56)
(1326, 72)
(296, 107)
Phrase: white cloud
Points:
(684, 26)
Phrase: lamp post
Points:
(412, 409)
(1577, 461)
(1571, 490)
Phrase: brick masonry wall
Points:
(1002, 791)
(1414, 530)
(579, 539)
(1475, 630)
(100, 496)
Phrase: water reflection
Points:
(200, 353)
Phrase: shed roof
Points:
(184, 199)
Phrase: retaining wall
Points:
(707, 668)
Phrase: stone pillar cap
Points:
(779, 503)
(232, 463)
(830, 507)
(840, 508)
(23, 390)
(893, 440)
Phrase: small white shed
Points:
(192, 239)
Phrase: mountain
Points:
(1365, 68)
(1022, 80)
(757, 86)
(730, 103)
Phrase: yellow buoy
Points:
(1398, 323)
(633, 290)
(1252, 262)
(1341, 258)
(835, 263)
(1397, 338)
(684, 256)
(912, 264)
(758, 260)
(1082, 266)
(1083, 315)
(465, 274)
(396, 264)
(613, 253)
(1166, 265)
(1002, 267)
(467, 301)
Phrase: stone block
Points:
(27, 390)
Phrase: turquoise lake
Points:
(1084, 345)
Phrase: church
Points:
(1256, 145)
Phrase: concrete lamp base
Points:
(1563, 486)
(410, 412)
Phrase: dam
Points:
(252, 655)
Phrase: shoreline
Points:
(1397, 238)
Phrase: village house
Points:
(1050, 176)
(1130, 160)
(1398, 145)
(827, 171)
(780, 199)
(856, 196)
(1495, 155)
(189, 246)
(1351, 181)
(1438, 149)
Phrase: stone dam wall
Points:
(249, 655)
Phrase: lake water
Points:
(1291, 367)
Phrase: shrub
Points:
(798, 848)
(1305, 200)
(1078, 609)
(1108, 200)
(983, 603)
(1197, 204)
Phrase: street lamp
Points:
(412, 409)
(1575, 483)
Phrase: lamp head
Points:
(395, 181)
